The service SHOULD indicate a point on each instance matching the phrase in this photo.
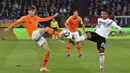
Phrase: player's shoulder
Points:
(100, 19)
(110, 20)
(24, 17)
(70, 17)
(79, 18)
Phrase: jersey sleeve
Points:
(45, 19)
(67, 22)
(81, 21)
(114, 25)
(82, 24)
(95, 28)
(21, 20)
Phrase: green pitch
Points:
(25, 57)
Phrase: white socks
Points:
(102, 58)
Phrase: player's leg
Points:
(54, 36)
(45, 59)
(40, 40)
(79, 50)
(101, 59)
(100, 46)
(76, 35)
(51, 31)
(41, 31)
(101, 49)
(48, 30)
(87, 35)
(68, 47)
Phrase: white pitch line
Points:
(62, 41)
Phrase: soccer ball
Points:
(65, 32)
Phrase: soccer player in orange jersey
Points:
(31, 22)
(72, 26)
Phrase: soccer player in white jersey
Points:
(100, 34)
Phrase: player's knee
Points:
(46, 29)
(88, 35)
(101, 50)
(42, 30)
(48, 51)
(78, 47)
(68, 47)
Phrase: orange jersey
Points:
(30, 22)
(73, 23)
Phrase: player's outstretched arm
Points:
(83, 27)
(82, 24)
(14, 24)
(117, 27)
(47, 18)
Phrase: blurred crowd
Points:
(18, 8)
(115, 7)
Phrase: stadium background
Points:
(25, 56)
(89, 10)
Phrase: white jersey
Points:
(104, 27)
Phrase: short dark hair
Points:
(104, 10)
(75, 11)
(32, 7)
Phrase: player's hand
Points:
(6, 29)
(121, 32)
(56, 14)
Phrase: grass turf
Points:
(25, 57)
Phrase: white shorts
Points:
(38, 38)
(73, 35)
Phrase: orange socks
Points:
(68, 48)
(51, 31)
(79, 48)
(45, 59)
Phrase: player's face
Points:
(75, 14)
(32, 12)
(53, 19)
(104, 15)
